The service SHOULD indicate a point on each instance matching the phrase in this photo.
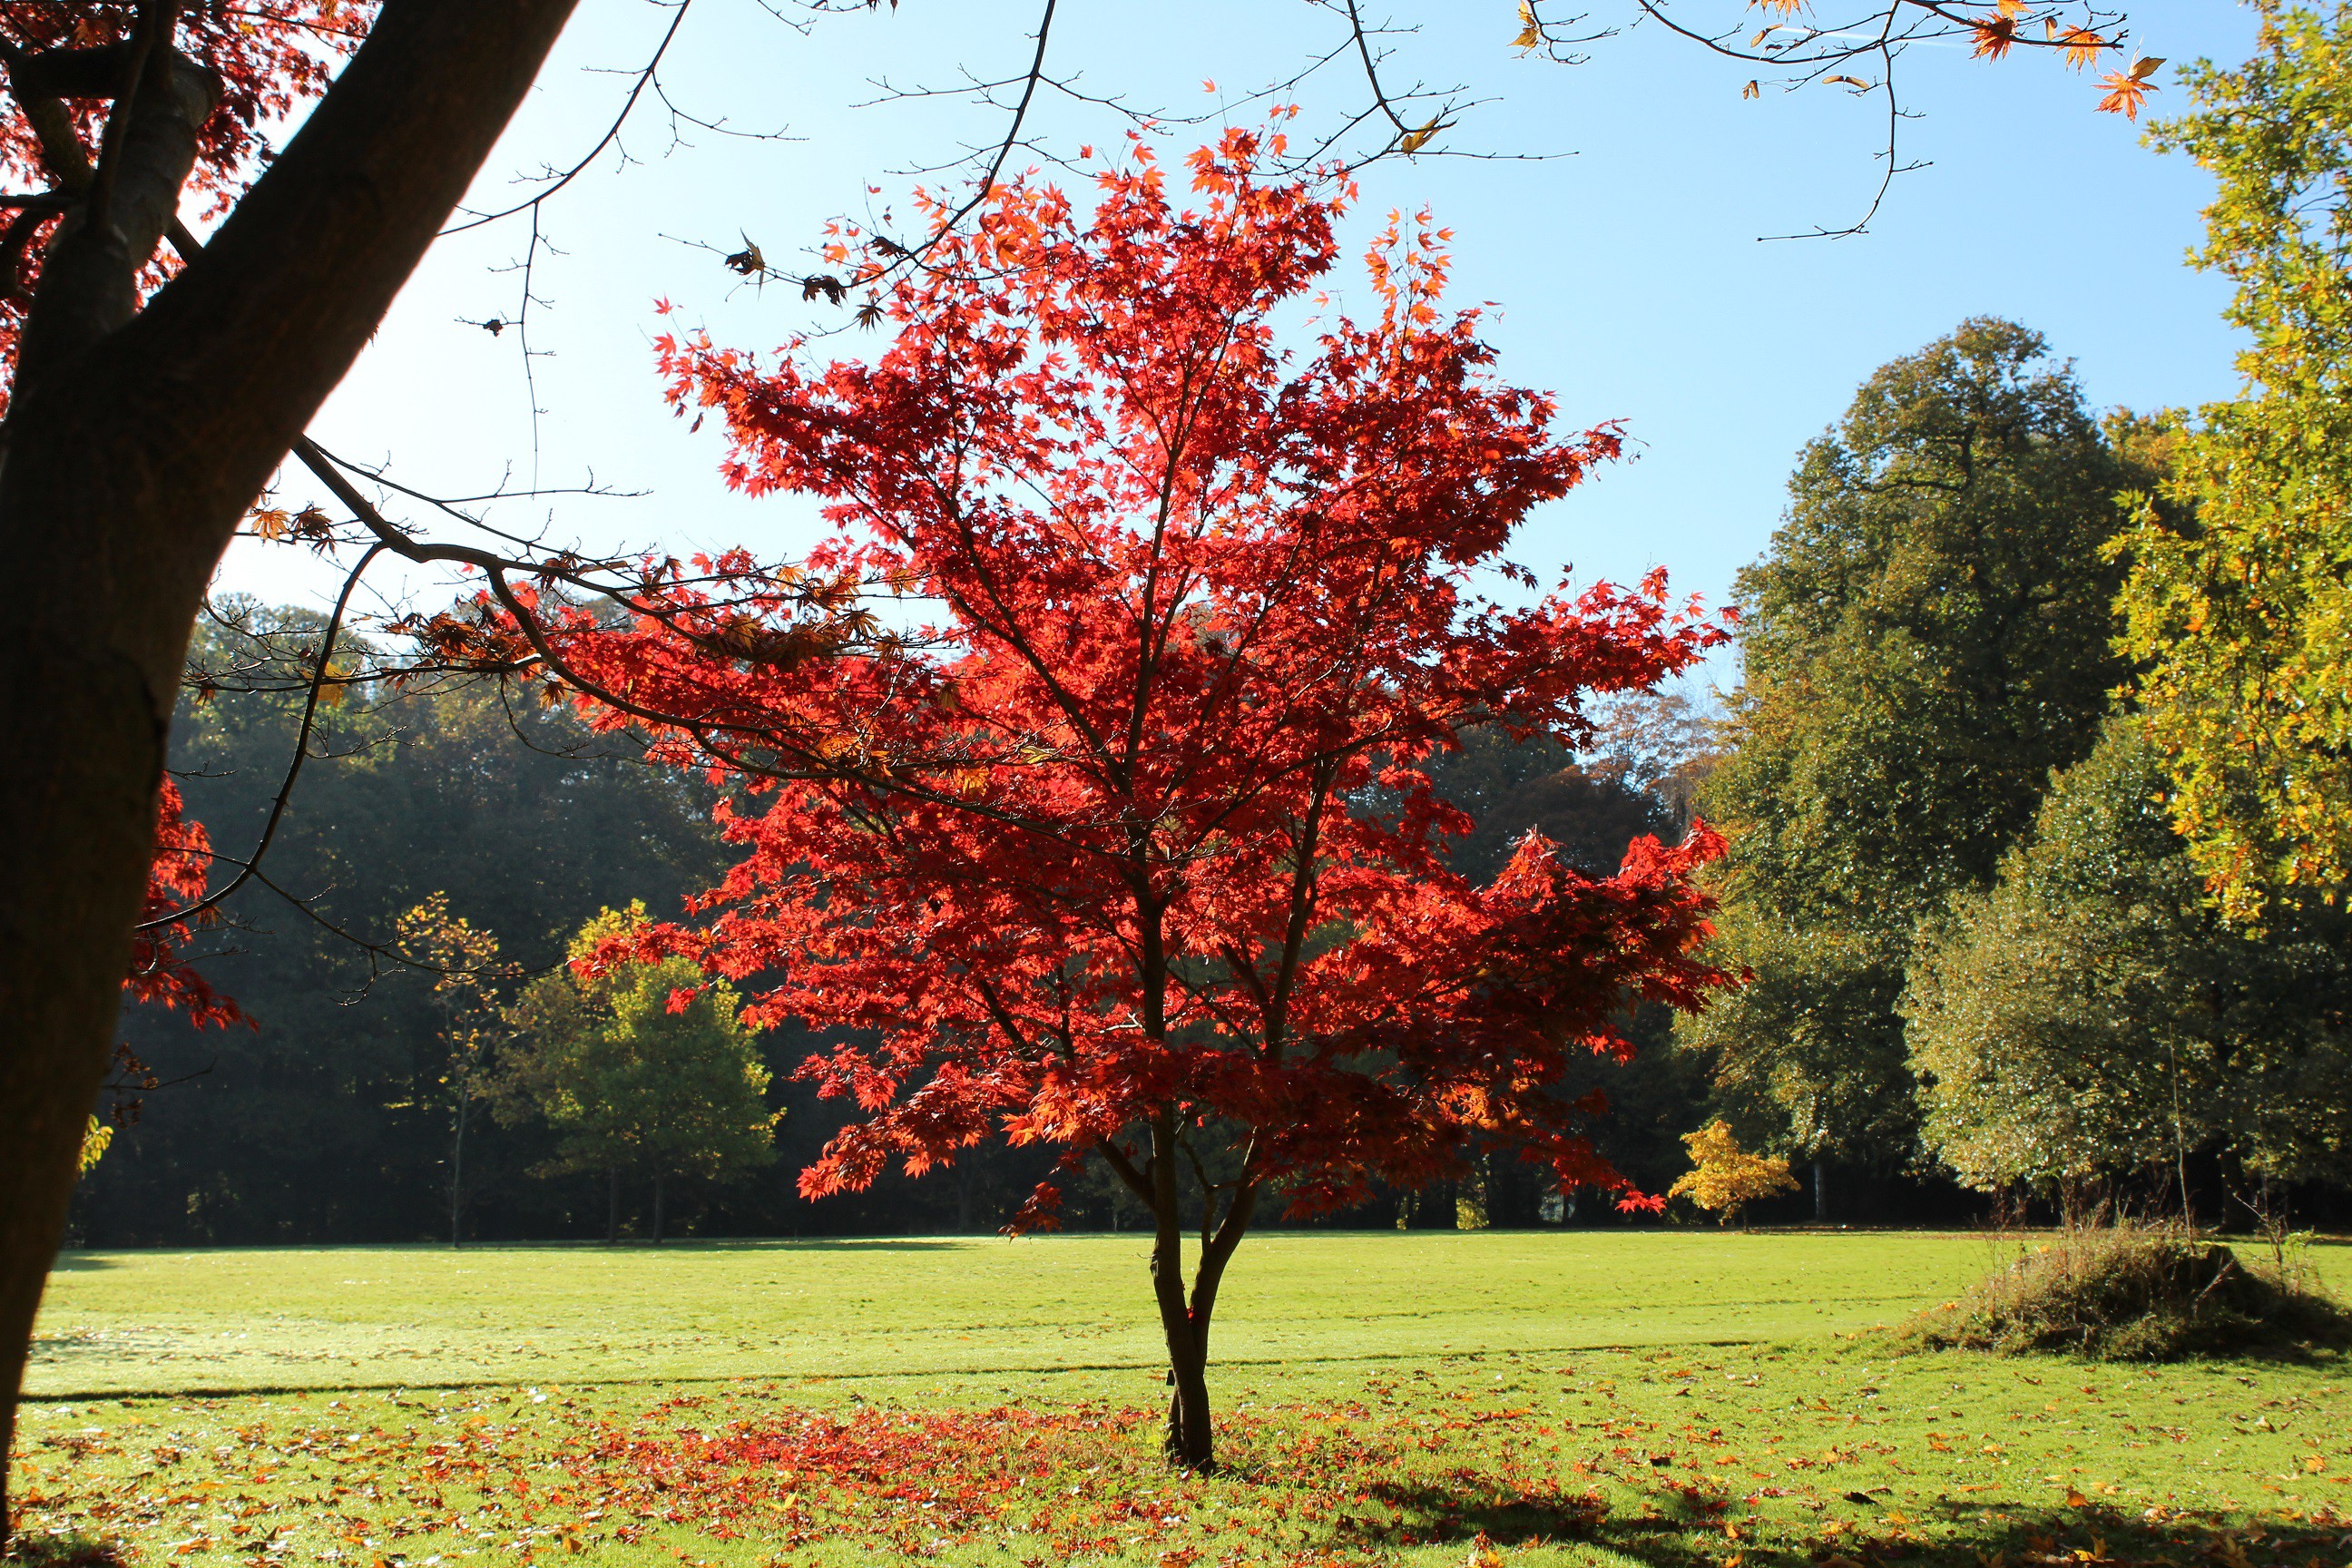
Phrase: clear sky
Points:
(1628, 273)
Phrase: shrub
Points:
(2134, 1292)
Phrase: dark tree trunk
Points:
(661, 1196)
(457, 1174)
(1821, 1192)
(1187, 1441)
(1190, 1441)
(134, 442)
(612, 1206)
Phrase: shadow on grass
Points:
(58, 1552)
(846, 1244)
(79, 1263)
(1947, 1533)
(2100, 1535)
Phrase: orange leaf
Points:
(2124, 94)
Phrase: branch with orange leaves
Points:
(1861, 50)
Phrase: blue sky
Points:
(1627, 273)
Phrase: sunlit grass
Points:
(1804, 1447)
(346, 1316)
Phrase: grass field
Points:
(1668, 1398)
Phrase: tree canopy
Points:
(2238, 600)
(1926, 639)
(639, 1067)
(2089, 1016)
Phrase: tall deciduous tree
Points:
(2091, 1017)
(2238, 598)
(640, 1069)
(1928, 638)
(1078, 862)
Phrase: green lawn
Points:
(1665, 1397)
(141, 1322)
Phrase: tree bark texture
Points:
(135, 441)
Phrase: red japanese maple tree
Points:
(1128, 852)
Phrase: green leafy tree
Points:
(2090, 1016)
(639, 1067)
(2238, 600)
(1927, 637)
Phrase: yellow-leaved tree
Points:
(1725, 1178)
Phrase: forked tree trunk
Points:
(135, 440)
(1190, 1440)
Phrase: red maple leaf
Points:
(160, 973)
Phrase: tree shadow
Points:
(1430, 1513)
(2100, 1534)
(833, 1244)
(30, 1550)
(79, 1263)
(1689, 1532)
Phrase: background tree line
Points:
(1980, 947)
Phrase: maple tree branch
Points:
(1801, 55)
(1363, 43)
(987, 181)
(1117, 1159)
(32, 81)
(88, 285)
(704, 728)
(264, 327)
(1302, 908)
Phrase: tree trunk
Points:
(612, 1206)
(661, 1195)
(133, 444)
(1188, 1442)
(458, 1175)
(1820, 1191)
